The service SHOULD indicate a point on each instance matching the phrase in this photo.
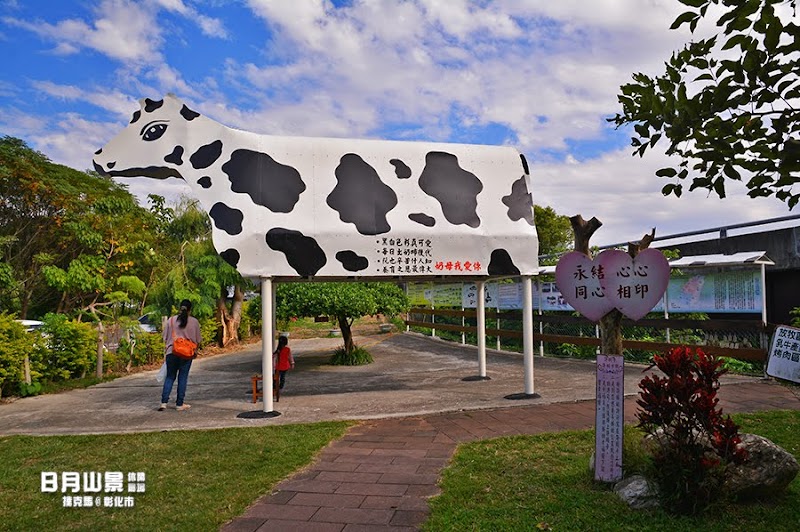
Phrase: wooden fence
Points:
(708, 328)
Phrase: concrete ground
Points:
(411, 375)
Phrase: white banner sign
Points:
(609, 418)
(784, 354)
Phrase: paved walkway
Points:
(380, 475)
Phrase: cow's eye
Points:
(154, 131)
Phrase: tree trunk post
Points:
(100, 331)
(347, 333)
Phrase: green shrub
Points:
(148, 348)
(796, 319)
(245, 324)
(209, 330)
(71, 348)
(15, 343)
(576, 351)
(252, 310)
(357, 357)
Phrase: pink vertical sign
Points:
(609, 416)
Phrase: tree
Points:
(77, 232)
(727, 104)
(195, 271)
(554, 230)
(345, 301)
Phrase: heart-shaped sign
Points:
(633, 285)
(578, 280)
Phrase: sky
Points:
(540, 75)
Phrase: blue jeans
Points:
(176, 366)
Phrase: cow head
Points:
(153, 143)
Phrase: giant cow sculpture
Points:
(288, 207)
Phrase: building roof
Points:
(696, 261)
(735, 259)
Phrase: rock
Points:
(637, 493)
(767, 471)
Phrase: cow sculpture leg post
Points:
(480, 312)
(267, 312)
(527, 340)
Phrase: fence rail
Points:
(740, 339)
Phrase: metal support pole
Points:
(527, 340)
(267, 315)
(527, 332)
(481, 311)
(267, 332)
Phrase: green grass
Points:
(195, 480)
(74, 384)
(530, 482)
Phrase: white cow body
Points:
(338, 208)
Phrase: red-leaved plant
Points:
(692, 442)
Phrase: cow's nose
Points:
(99, 168)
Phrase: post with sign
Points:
(784, 354)
(603, 289)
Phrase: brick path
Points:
(380, 475)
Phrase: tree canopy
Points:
(69, 239)
(344, 301)
(727, 104)
(554, 230)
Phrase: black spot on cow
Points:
(360, 197)
(98, 152)
(519, 202)
(176, 157)
(136, 116)
(352, 261)
(401, 169)
(206, 155)
(231, 256)
(456, 189)
(152, 105)
(524, 164)
(422, 218)
(267, 182)
(302, 252)
(188, 114)
(204, 181)
(226, 218)
(500, 263)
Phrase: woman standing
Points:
(181, 326)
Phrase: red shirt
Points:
(283, 360)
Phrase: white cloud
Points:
(210, 26)
(123, 30)
(623, 193)
(114, 101)
(549, 71)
